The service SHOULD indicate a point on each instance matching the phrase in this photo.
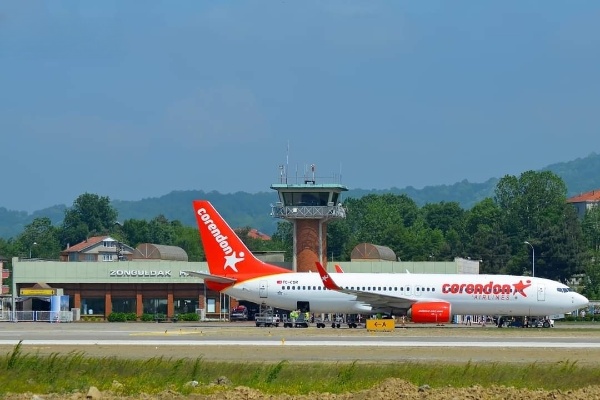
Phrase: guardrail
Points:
(308, 212)
(37, 316)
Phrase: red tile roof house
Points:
(97, 248)
(585, 201)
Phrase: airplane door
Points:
(541, 292)
(263, 291)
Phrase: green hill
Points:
(253, 209)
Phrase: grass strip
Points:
(66, 373)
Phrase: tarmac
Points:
(242, 341)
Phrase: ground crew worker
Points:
(294, 314)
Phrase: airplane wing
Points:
(377, 301)
(209, 277)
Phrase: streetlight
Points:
(30, 247)
(532, 257)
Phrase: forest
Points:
(527, 213)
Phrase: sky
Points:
(132, 99)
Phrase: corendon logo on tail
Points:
(488, 288)
(231, 259)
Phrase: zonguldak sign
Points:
(142, 273)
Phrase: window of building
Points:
(92, 306)
(124, 305)
(154, 306)
(211, 305)
(184, 306)
(107, 257)
(90, 257)
(73, 256)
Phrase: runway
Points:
(245, 342)
(305, 343)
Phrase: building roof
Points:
(588, 197)
(256, 234)
(85, 244)
(369, 251)
(160, 252)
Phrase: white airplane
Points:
(426, 298)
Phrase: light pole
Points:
(532, 258)
(30, 247)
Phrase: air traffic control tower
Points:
(309, 206)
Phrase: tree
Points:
(531, 206)
(591, 282)
(560, 248)
(487, 240)
(188, 239)
(135, 231)
(90, 215)
(339, 245)
(284, 237)
(531, 199)
(161, 231)
(40, 239)
(444, 216)
(591, 228)
(371, 217)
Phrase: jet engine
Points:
(433, 312)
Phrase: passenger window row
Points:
(364, 288)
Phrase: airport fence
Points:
(37, 316)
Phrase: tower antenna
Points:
(287, 160)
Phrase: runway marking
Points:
(300, 343)
(168, 332)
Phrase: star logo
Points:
(325, 278)
(520, 287)
(231, 260)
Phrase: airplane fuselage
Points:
(467, 294)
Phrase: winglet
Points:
(338, 269)
(326, 278)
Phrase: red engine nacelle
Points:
(435, 312)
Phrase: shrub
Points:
(131, 316)
(188, 317)
(117, 317)
(147, 317)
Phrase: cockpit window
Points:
(564, 289)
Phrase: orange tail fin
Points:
(226, 254)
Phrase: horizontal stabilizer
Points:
(212, 278)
